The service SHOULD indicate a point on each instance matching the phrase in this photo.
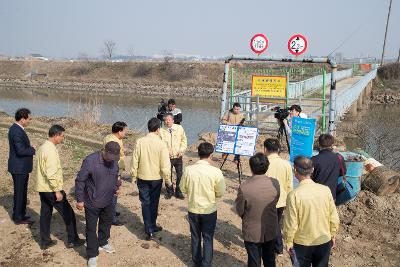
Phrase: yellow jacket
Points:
(150, 160)
(49, 177)
(310, 217)
(230, 118)
(112, 137)
(176, 139)
(281, 170)
(203, 184)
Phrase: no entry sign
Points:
(259, 43)
(297, 44)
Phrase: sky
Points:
(57, 28)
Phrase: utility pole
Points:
(384, 40)
(398, 58)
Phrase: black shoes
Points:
(150, 236)
(48, 244)
(77, 243)
(117, 223)
(178, 194)
(24, 221)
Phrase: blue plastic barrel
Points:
(353, 180)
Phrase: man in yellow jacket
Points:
(175, 138)
(49, 184)
(118, 130)
(281, 170)
(311, 221)
(150, 166)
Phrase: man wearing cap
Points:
(95, 186)
(150, 166)
(175, 138)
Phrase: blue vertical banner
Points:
(302, 139)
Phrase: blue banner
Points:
(302, 139)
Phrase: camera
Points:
(162, 109)
(281, 113)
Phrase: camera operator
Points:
(176, 112)
(162, 110)
(294, 111)
(233, 116)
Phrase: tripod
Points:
(238, 165)
(281, 132)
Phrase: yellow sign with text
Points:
(268, 86)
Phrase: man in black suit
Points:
(20, 163)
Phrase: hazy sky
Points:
(59, 28)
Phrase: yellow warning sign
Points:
(268, 86)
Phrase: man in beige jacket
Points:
(49, 184)
(175, 138)
(150, 166)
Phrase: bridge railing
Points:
(301, 88)
(304, 87)
(346, 98)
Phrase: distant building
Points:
(37, 57)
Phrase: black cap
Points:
(112, 151)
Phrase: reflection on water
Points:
(198, 115)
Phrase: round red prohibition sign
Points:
(259, 43)
(297, 44)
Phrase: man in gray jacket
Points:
(256, 205)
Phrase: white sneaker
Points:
(107, 248)
(92, 262)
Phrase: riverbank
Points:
(165, 78)
(369, 233)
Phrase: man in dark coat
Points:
(20, 163)
(328, 165)
(256, 205)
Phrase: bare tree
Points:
(109, 49)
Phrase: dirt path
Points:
(369, 234)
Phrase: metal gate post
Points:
(224, 89)
(323, 101)
(332, 97)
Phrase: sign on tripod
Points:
(235, 139)
(259, 43)
(302, 138)
(297, 44)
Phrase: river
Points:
(199, 115)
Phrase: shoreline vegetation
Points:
(164, 78)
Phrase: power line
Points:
(356, 30)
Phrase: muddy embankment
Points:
(386, 88)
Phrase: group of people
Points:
(264, 202)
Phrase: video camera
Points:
(162, 109)
(281, 113)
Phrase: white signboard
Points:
(238, 140)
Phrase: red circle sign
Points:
(259, 43)
(297, 44)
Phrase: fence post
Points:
(332, 99)
(232, 87)
(257, 110)
(224, 89)
(323, 100)
(287, 89)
